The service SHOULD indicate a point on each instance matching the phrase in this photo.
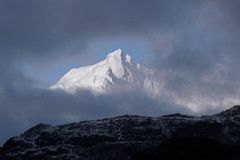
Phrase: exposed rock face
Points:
(173, 136)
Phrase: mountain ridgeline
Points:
(117, 71)
(174, 136)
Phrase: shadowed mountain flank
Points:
(133, 137)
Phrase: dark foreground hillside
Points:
(168, 137)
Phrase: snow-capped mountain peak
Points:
(117, 61)
(119, 56)
(116, 70)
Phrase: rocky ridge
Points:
(133, 137)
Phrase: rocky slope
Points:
(173, 136)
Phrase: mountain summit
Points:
(118, 70)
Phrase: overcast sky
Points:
(196, 42)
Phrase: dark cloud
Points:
(35, 29)
(28, 106)
(201, 58)
(195, 43)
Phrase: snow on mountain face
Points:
(117, 70)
